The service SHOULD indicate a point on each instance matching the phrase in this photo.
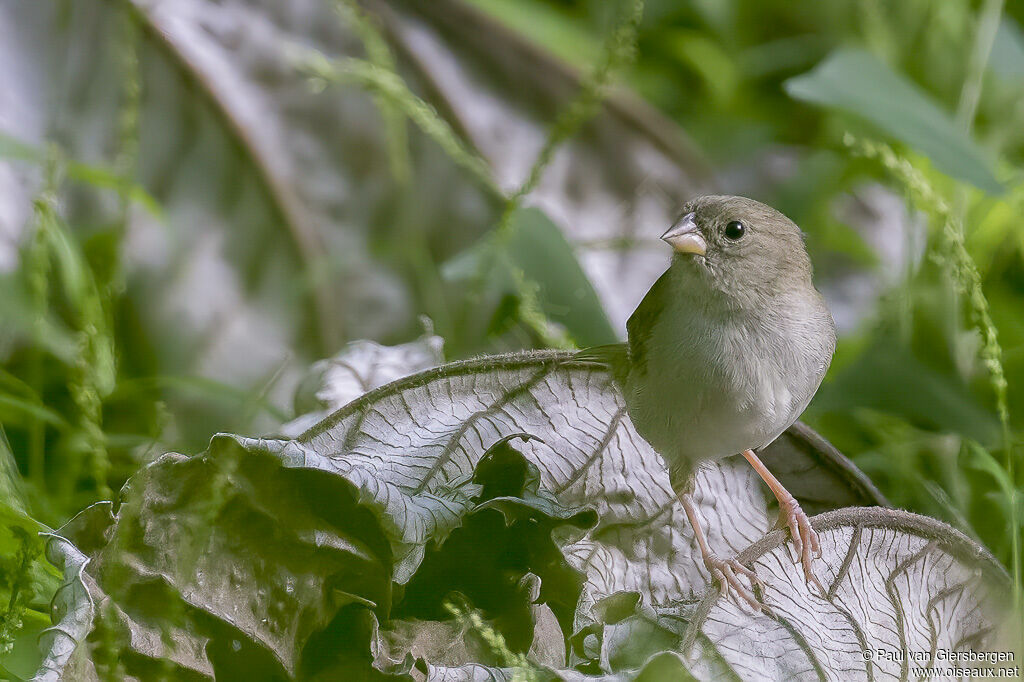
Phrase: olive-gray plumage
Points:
(728, 347)
(724, 353)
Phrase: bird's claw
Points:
(727, 573)
(804, 538)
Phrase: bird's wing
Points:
(620, 357)
(641, 323)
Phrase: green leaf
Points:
(27, 581)
(982, 460)
(1007, 57)
(716, 66)
(12, 148)
(104, 178)
(203, 388)
(12, 490)
(540, 249)
(97, 176)
(79, 283)
(24, 658)
(537, 247)
(856, 82)
(20, 320)
(545, 24)
(888, 378)
(15, 410)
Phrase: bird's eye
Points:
(735, 230)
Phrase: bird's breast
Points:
(710, 389)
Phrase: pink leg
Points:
(725, 571)
(791, 516)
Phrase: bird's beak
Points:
(685, 238)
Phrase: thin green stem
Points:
(389, 85)
(377, 75)
(379, 54)
(128, 125)
(970, 97)
(37, 262)
(524, 670)
(619, 49)
(414, 243)
(966, 277)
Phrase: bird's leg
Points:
(725, 571)
(791, 516)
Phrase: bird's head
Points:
(738, 247)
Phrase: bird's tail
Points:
(613, 356)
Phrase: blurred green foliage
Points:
(926, 394)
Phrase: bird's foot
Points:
(727, 573)
(804, 538)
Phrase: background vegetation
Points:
(925, 393)
(800, 104)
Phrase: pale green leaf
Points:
(856, 82)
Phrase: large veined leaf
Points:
(360, 367)
(444, 420)
(903, 591)
(516, 484)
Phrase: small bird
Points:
(724, 353)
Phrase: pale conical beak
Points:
(685, 238)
